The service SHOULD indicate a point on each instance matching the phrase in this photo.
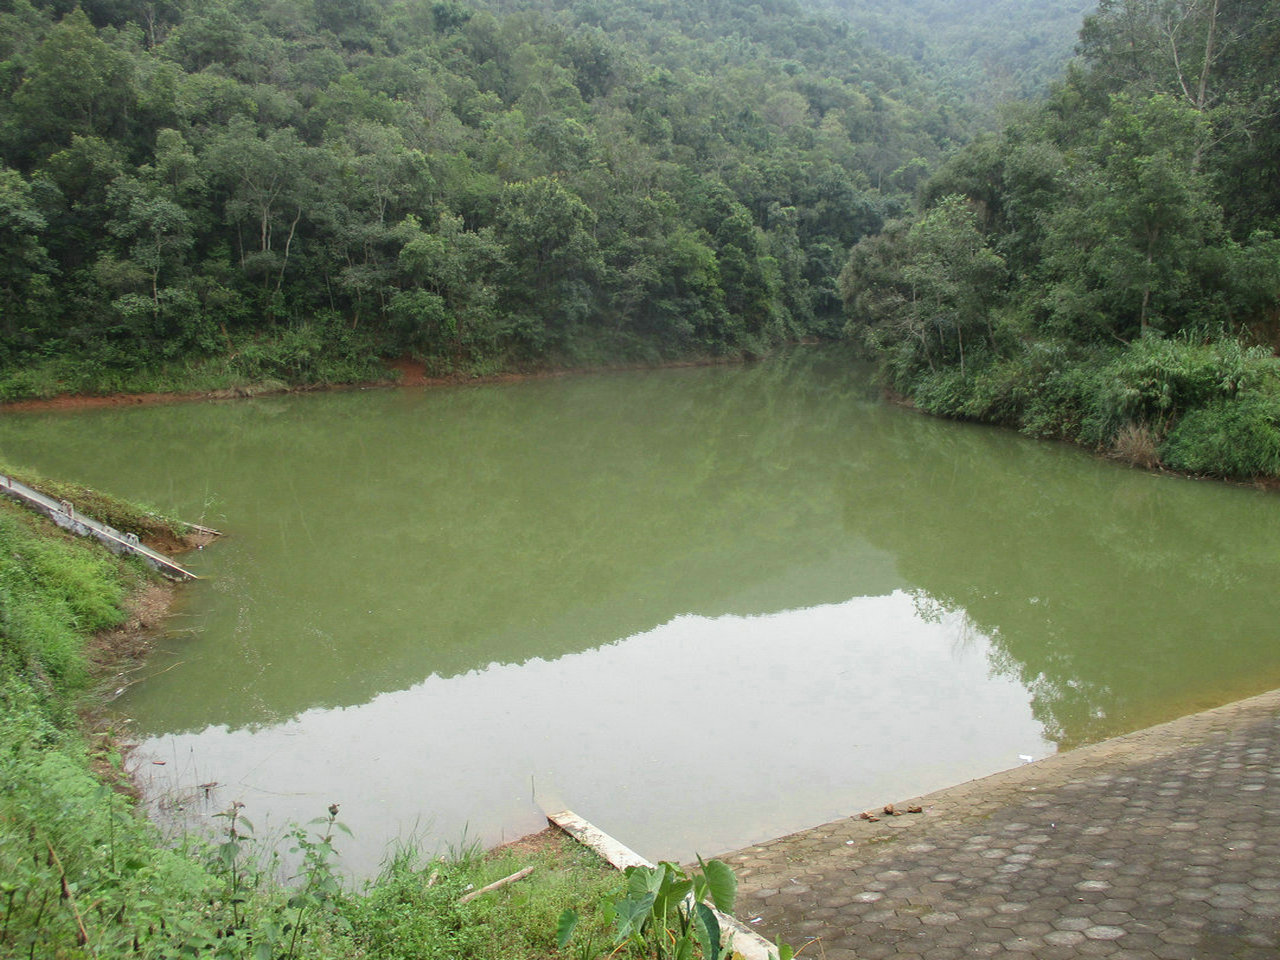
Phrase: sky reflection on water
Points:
(699, 736)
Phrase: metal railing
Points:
(65, 515)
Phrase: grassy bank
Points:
(306, 354)
(82, 873)
(1202, 407)
(300, 360)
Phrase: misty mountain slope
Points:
(990, 51)
(296, 189)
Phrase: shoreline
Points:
(403, 372)
(116, 655)
(407, 373)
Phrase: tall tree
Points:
(26, 270)
(264, 180)
(75, 85)
(1121, 254)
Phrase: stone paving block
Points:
(1097, 948)
(1052, 952)
(1163, 845)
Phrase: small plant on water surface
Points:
(665, 914)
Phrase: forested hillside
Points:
(986, 52)
(1106, 268)
(280, 189)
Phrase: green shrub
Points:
(1156, 381)
(320, 351)
(31, 380)
(1237, 438)
(943, 392)
(1048, 389)
(1060, 406)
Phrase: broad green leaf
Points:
(707, 928)
(631, 916)
(642, 880)
(671, 895)
(722, 883)
(565, 927)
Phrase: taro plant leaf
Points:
(675, 887)
(707, 929)
(632, 912)
(721, 882)
(565, 927)
(642, 880)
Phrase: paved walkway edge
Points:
(978, 797)
(1162, 844)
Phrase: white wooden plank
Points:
(746, 942)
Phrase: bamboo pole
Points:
(514, 878)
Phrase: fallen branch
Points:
(518, 875)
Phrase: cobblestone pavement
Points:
(1161, 844)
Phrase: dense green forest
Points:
(194, 195)
(987, 52)
(1105, 269)
(280, 189)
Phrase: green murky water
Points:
(702, 607)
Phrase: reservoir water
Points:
(701, 607)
